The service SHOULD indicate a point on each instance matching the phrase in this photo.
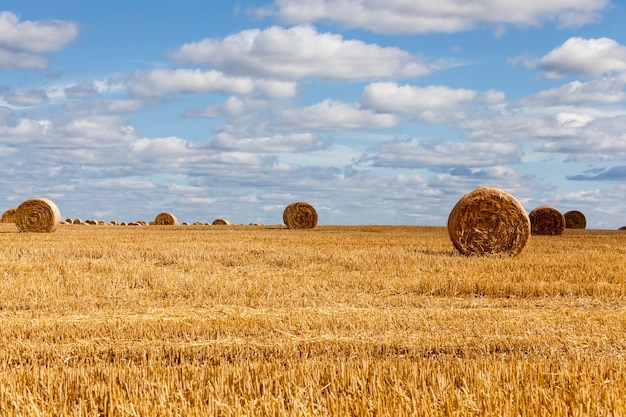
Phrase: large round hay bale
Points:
(574, 219)
(39, 215)
(221, 222)
(165, 219)
(488, 220)
(9, 215)
(300, 215)
(546, 220)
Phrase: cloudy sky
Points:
(373, 111)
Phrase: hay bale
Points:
(38, 215)
(488, 220)
(300, 215)
(622, 228)
(221, 222)
(9, 215)
(546, 220)
(91, 222)
(574, 219)
(165, 219)
(78, 221)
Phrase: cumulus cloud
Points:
(301, 52)
(607, 90)
(30, 97)
(164, 81)
(582, 57)
(296, 142)
(26, 45)
(424, 16)
(427, 104)
(616, 173)
(419, 154)
(335, 115)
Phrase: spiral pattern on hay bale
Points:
(300, 215)
(165, 219)
(9, 215)
(575, 219)
(487, 221)
(221, 222)
(38, 215)
(547, 221)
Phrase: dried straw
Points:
(300, 215)
(164, 219)
(39, 215)
(488, 220)
(574, 219)
(9, 215)
(221, 222)
(546, 220)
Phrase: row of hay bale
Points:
(42, 215)
(488, 220)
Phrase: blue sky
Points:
(373, 111)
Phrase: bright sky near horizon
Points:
(373, 111)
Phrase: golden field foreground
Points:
(267, 321)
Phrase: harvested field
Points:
(370, 320)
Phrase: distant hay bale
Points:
(38, 215)
(622, 228)
(488, 220)
(78, 221)
(185, 223)
(91, 222)
(165, 219)
(546, 220)
(113, 223)
(300, 215)
(9, 215)
(69, 221)
(574, 219)
(221, 222)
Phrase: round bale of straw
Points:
(39, 215)
(165, 219)
(9, 215)
(221, 222)
(574, 219)
(488, 221)
(546, 220)
(300, 215)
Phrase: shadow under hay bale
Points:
(546, 221)
(488, 221)
(221, 222)
(39, 215)
(300, 215)
(574, 219)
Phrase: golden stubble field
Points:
(267, 321)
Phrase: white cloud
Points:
(424, 16)
(25, 98)
(232, 107)
(296, 142)
(606, 90)
(301, 52)
(419, 154)
(429, 104)
(24, 45)
(335, 115)
(164, 81)
(583, 57)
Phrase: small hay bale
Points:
(300, 215)
(221, 222)
(78, 221)
(69, 221)
(546, 220)
(574, 219)
(91, 222)
(38, 215)
(488, 220)
(165, 219)
(9, 215)
(622, 228)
